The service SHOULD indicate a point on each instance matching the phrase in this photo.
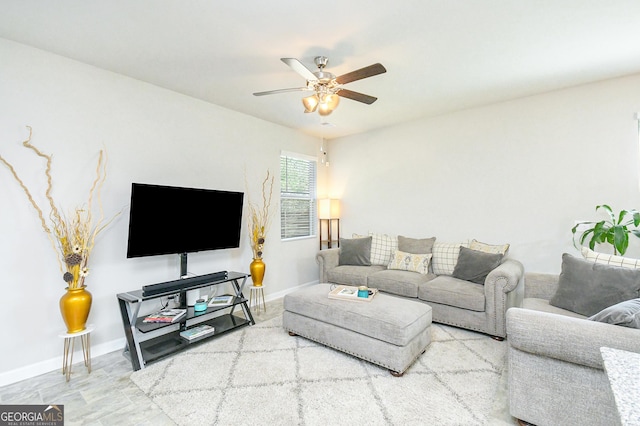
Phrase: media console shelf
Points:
(147, 342)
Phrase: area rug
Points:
(261, 375)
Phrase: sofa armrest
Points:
(503, 289)
(569, 339)
(327, 259)
(540, 286)
(505, 277)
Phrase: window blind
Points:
(298, 215)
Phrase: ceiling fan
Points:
(327, 87)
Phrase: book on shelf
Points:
(197, 331)
(166, 316)
(221, 300)
(345, 292)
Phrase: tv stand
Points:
(148, 342)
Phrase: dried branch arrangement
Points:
(72, 236)
(259, 217)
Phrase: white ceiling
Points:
(440, 55)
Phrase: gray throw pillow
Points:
(626, 314)
(474, 265)
(355, 251)
(416, 246)
(586, 288)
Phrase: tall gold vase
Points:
(257, 268)
(75, 305)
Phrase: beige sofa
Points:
(556, 373)
(453, 301)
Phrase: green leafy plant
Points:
(614, 230)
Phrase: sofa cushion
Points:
(401, 283)
(626, 314)
(453, 292)
(587, 288)
(352, 274)
(610, 259)
(382, 248)
(416, 246)
(489, 248)
(355, 251)
(445, 257)
(410, 262)
(474, 265)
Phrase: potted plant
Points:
(614, 230)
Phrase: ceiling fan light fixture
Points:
(325, 86)
(328, 104)
(310, 103)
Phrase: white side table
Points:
(69, 343)
(254, 297)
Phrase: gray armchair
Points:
(556, 373)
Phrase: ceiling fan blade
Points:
(365, 72)
(356, 96)
(298, 67)
(272, 92)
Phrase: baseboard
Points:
(281, 294)
(47, 366)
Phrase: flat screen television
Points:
(176, 220)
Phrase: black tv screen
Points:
(170, 220)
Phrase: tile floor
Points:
(108, 397)
(104, 397)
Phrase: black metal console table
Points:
(147, 342)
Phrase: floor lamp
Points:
(329, 212)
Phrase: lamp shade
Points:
(310, 103)
(329, 103)
(329, 208)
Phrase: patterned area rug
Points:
(261, 375)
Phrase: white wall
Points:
(519, 172)
(151, 135)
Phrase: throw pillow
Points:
(410, 262)
(445, 257)
(474, 265)
(626, 314)
(416, 246)
(489, 248)
(355, 251)
(382, 248)
(586, 288)
(610, 259)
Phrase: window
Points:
(298, 214)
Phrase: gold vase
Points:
(75, 305)
(257, 268)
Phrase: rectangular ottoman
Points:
(388, 331)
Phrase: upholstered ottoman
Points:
(388, 331)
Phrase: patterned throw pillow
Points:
(610, 259)
(410, 262)
(445, 257)
(489, 248)
(382, 248)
